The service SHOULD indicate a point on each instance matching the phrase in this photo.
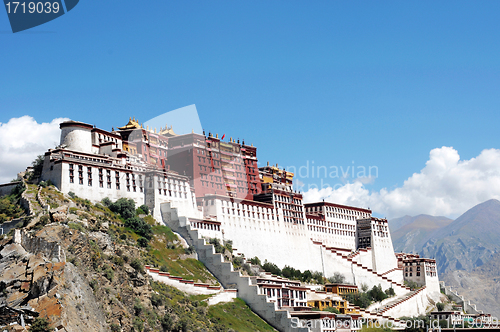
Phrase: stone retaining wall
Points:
(51, 250)
(454, 296)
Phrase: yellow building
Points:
(322, 301)
(341, 289)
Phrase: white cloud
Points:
(22, 139)
(445, 186)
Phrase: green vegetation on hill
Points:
(177, 312)
(290, 272)
(237, 316)
(365, 297)
(9, 205)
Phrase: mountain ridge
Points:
(467, 250)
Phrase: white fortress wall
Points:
(257, 234)
(433, 288)
(364, 257)
(174, 190)
(335, 264)
(383, 254)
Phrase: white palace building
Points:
(216, 187)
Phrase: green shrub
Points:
(138, 307)
(40, 325)
(44, 220)
(140, 227)
(166, 322)
(109, 274)
(125, 207)
(332, 309)
(93, 284)
(144, 208)
(106, 201)
(255, 261)
(71, 194)
(237, 262)
(216, 243)
(189, 250)
(115, 328)
(137, 265)
(157, 300)
(228, 244)
(138, 324)
(76, 226)
(117, 260)
(143, 242)
(440, 306)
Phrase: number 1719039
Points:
(32, 7)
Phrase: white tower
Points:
(76, 136)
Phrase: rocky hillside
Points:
(415, 232)
(481, 285)
(81, 267)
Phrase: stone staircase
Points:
(397, 302)
(223, 271)
(380, 276)
(230, 279)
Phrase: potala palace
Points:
(203, 184)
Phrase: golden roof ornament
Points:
(132, 124)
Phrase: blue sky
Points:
(334, 82)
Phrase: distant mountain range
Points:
(409, 234)
(467, 250)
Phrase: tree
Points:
(144, 208)
(140, 227)
(106, 201)
(440, 306)
(125, 207)
(377, 294)
(255, 261)
(272, 268)
(291, 273)
(143, 242)
(338, 278)
(307, 276)
(38, 165)
(390, 292)
(362, 299)
(318, 277)
(166, 322)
